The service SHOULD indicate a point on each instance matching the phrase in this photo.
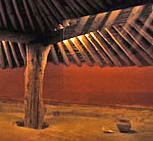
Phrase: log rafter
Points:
(70, 38)
(52, 31)
(103, 47)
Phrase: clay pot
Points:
(124, 125)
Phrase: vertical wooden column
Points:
(34, 75)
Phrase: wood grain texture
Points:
(34, 75)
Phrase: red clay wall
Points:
(86, 85)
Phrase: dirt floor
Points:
(77, 123)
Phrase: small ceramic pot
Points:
(124, 125)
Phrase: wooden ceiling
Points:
(45, 15)
(127, 41)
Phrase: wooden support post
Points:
(34, 75)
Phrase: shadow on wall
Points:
(86, 85)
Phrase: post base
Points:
(20, 123)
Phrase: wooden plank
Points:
(72, 52)
(60, 8)
(109, 53)
(75, 27)
(83, 39)
(54, 55)
(86, 24)
(66, 59)
(53, 10)
(22, 51)
(135, 13)
(77, 44)
(149, 50)
(71, 7)
(93, 4)
(14, 54)
(142, 32)
(28, 14)
(137, 48)
(2, 13)
(8, 55)
(2, 57)
(126, 50)
(91, 39)
(121, 54)
(37, 15)
(77, 8)
(107, 59)
(11, 14)
(46, 16)
(18, 14)
(85, 6)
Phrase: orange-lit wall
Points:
(86, 85)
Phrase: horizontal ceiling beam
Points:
(75, 27)
(91, 23)
(31, 38)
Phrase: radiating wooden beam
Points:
(74, 27)
(28, 14)
(83, 39)
(142, 32)
(87, 24)
(113, 5)
(18, 14)
(83, 25)
(131, 23)
(136, 48)
(72, 52)
(127, 50)
(54, 55)
(8, 55)
(14, 54)
(114, 45)
(50, 16)
(52, 8)
(122, 47)
(22, 51)
(2, 57)
(11, 14)
(78, 45)
(148, 50)
(134, 15)
(99, 44)
(91, 39)
(108, 51)
(49, 19)
(60, 8)
(37, 15)
(2, 13)
(64, 55)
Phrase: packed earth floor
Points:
(77, 123)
